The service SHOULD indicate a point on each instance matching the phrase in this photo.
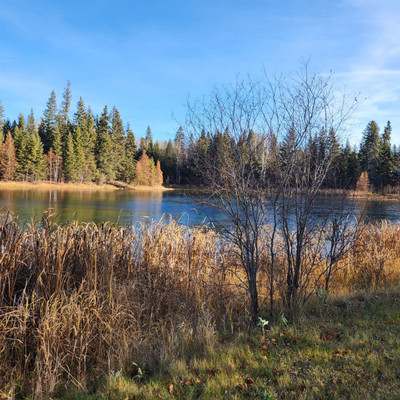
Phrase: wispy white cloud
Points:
(374, 68)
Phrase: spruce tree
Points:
(89, 140)
(66, 103)
(386, 161)
(81, 170)
(20, 142)
(200, 158)
(118, 146)
(370, 152)
(104, 151)
(80, 116)
(35, 160)
(179, 147)
(7, 127)
(130, 151)
(156, 151)
(148, 140)
(70, 172)
(49, 123)
(169, 163)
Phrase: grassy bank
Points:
(46, 186)
(347, 348)
(83, 302)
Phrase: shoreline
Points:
(357, 195)
(113, 186)
(46, 185)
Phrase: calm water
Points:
(131, 206)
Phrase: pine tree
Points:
(7, 159)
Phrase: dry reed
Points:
(79, 301)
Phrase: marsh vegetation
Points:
(81, 301)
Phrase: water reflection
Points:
(132, 206)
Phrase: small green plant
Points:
(322, 295)
(282, 320)
(115, 374)
(266, 396)
(262, 323)
(140, 372)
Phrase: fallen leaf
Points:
(249, 381)
(171, 388)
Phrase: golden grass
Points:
(77, 187)
(45, 186)
(150, 188)
(345, 349)
(80, 301)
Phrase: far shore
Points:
(115, 185)
(87, 186)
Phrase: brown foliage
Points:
(147, 174)
(8, 163)
(79, 301)
(363, 183)
(159, 173)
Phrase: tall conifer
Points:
(49, 123)
(104, 151)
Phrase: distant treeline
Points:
(88, 148)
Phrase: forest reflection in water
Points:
(128, 206)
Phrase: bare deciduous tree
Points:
(266, 170)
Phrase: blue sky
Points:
(146, 57)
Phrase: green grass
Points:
(348, 348)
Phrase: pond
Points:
(129, 206)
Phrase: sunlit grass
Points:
(348, 355)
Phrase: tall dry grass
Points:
(79, 301)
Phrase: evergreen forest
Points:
(66, 146)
